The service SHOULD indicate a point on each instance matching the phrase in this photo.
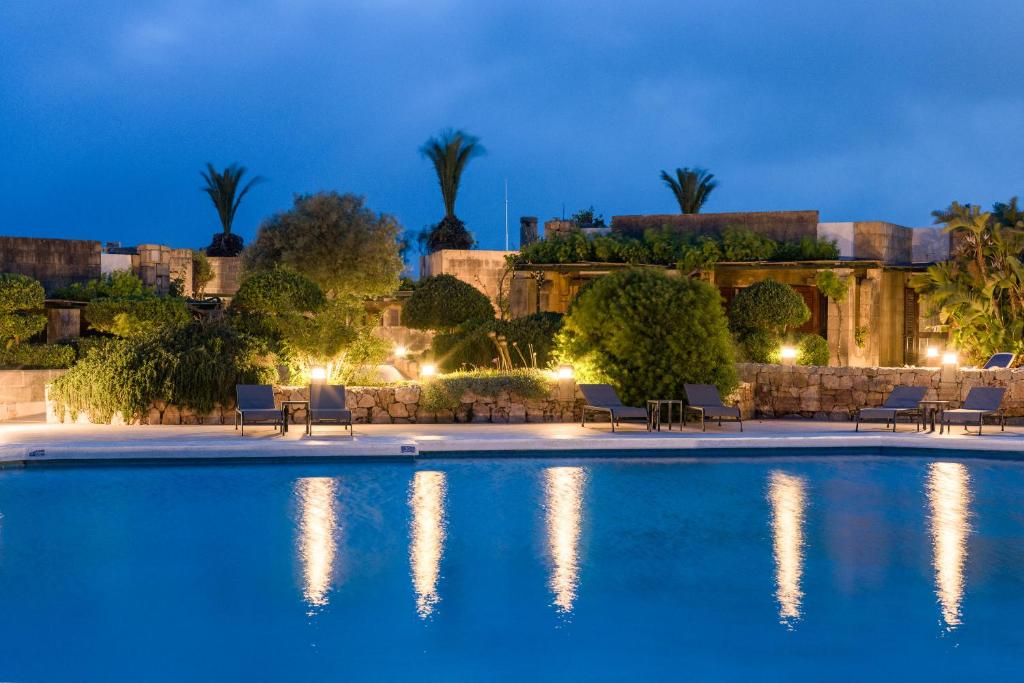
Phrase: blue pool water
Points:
(799, 569)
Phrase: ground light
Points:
(565, 372)
(428, 370)
(318, 374)
(949, 358)
(401, 351)
(788, 355)
(931, 352)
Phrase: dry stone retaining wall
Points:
(837, 392)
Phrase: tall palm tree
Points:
(223, 191)
(691, 186)
(450, 152)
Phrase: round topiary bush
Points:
(443, 302)
(760, 346)
(649, 334)
(768, 305)
(812, 349)
(278, 292)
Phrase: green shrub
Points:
(37, 356)
(767, 306)
(759, 346)
(812, 349)
(649, 333)
(119, 284)
(278, 292)
(202, 272)
(196, 366)
(20, 298)
(443, 302)
(743, 244)
(136, 317)
(445, 391)
(530, 340)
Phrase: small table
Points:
(654, 412)
(286, 408)
(929, 409)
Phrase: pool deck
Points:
(30, 443)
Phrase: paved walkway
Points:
(34, 442)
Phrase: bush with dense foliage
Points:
(136, 317)
(445, 391)
(443, 302)
(649, 334)
(119, 284)
(202, 272)
(530, 341)
(812, 349)
(278, 292)
(196, 366)
(21, 299)
(37, 356)
(671, 248)
(769, 306)
(335, 241)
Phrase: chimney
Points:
(527, 230)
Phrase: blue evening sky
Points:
(867, 109)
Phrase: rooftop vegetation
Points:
(670, 248)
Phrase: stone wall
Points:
(378, 405)
(227, 276)
(55, 263)
(481, 268)
(23, 392)
(837, 392)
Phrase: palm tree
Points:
(450, 152)
(222, 189)
(691, 186)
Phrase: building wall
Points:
(112, 263)
(23, 392)
(929, 245)
(481, 268)
(227, 276)
(54, 262)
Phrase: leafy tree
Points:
(202, 272)
(450, 153)
(588, 218)
(20, 299)
(691, 187)
(768, 305)
(443, 302)
(978, 295)
(222, 188)
(335, 241)
(649, 333)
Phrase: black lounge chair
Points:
(981, 402)
(999, 360)
(327, 406)
(255, 405)
(902, 401)
(601, 398)
(705, 401)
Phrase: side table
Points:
(929, 409)
(286, 408)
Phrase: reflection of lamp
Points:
(318, 374)
(788, 355)
(428, 370)
(401, 351)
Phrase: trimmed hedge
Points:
(445, 391)
(37, 356)
(443, 302)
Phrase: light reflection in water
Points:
(427, 534)
(563, 488)
(318, 528)
(788, 497)
(949, 497)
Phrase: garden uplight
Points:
(428, 370)
(401, 351)
(565, 372)
(931, 352)
(318, 374)
(949, 358)
(788, 354)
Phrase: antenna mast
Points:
(506, 214)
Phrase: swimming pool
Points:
(811, 568)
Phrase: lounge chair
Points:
(901, 401)
(327, 406)
(254, 403)
(601, 398)
(705, 401)
(981, 402)
(999, 360)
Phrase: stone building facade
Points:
(54, 262)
